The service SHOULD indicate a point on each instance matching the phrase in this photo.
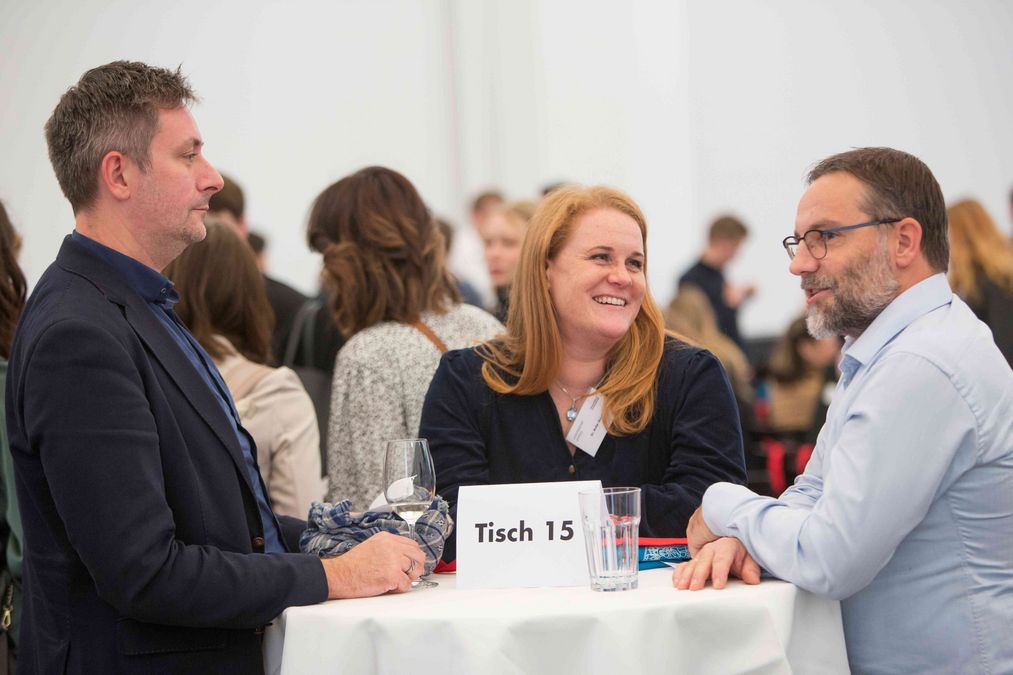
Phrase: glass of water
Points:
(410, 482)
(611, 521)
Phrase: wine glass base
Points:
(424, 583)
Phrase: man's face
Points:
(847, 289)
(171, 197)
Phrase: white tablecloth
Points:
(770, 628)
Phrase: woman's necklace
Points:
(571, 412)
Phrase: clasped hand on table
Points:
(714, 558)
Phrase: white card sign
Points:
(522, 534)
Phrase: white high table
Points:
(770, 628)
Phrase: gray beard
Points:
(858, 298)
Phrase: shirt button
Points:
(258, 544)
(571, 470)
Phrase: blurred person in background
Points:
(724, 239)
(259, 247)
(802, 375)
(400, 310)
(229, 205)
(467, 291)
(465, 261)
(794, 396)
(223, 303)
(502, 237)
(690, 315)
(981, 269)
(12, 301)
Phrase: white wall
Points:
(694, 107)
(776, 86)
(295, 95)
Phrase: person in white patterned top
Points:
(395, 301)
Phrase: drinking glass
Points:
(410, 482)
(611, 521)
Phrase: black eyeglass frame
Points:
(792, 242)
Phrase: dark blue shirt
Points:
(158, 292)
(711, 281)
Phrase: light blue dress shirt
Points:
(905, 511)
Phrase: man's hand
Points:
(384, 562)
(697, 532)
(714, 562)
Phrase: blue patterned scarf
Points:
(333, 529)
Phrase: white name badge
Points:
(522, 534)
(588, 431)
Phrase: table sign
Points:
(523, 534)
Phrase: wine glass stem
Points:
(411, 531)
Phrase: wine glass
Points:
(410, 482)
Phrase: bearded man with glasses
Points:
(905, 511)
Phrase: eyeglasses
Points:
(816, 240)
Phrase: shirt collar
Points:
(152, 286)
(916, 301)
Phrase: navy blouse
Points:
(693, 440)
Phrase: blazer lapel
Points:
(160, 344)
(168, 353)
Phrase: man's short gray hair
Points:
(112, 107)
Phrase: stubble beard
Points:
(858, 297)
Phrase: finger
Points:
(750, 570)
(416, 554)
(702, 569)
(681, 575)
(723, 559)
(401, 583)
(414, 569)
(419, 558)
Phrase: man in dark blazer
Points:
(149, 543)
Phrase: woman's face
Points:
(597, 280)
(502, 239)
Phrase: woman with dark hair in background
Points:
(12, 301)
(582, 324)
(397, 304)
(981, 269)
(224, 304)
(803, 372)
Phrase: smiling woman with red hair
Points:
(582, 323)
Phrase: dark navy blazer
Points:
(141, 527)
